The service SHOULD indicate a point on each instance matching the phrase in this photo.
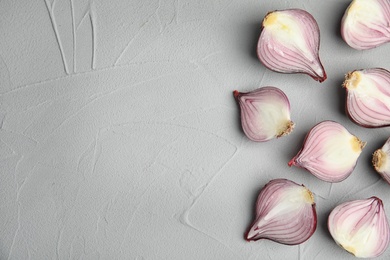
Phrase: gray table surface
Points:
(120, 137)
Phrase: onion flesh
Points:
(289, 43)
(366, 24)
(265, 113)
(285, 213)
(360, 227)
(329, 152)
(381, 161)
(368, 97)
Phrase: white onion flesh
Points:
(360, 227)
(381, 161)
(285, 213)
(329, 152)
(368, 97)
(265, 113)
(289, 43)
(366, 24)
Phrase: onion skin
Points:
(360, 227)
(368, 97)
(289, 43)
(329, 152)
(265, 113)
(366, 24)
(381, 161)
(285, 213)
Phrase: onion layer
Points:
(329, 152)
(285, 213)
(368, 97)
(265, 113)
(360, 227)
(366, 24)
(289, 43)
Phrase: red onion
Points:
(289, 43)
(368, 97)
(381, 161)
(360, 227)
(329, 152)
(366, 24)
(285, 213)
(265, 113)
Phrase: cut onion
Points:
(265, 113)
(368, 97)
(381, 161)
(360, 227)
(329, 152)
(285, 213)
(289, 43)
(366, 24)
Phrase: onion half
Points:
(381, 161)
(290, 42)
(265, 113)
(360, 227)
(329, 152)
(366, 24)
(368, 97)
(285, 213)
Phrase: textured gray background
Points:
(120, 137)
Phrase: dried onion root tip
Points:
(329, 152)
(381, 161)
(368, 97)
(285, 213)
(360, 227)
(289, 43)
(366, 24)
(265, 113)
